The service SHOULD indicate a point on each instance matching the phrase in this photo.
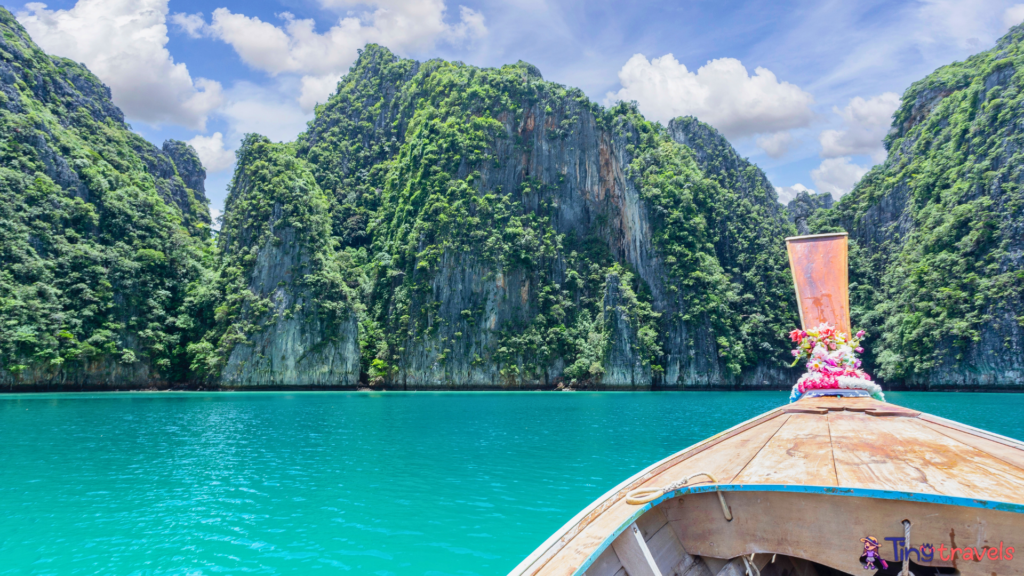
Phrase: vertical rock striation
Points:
(497, 230)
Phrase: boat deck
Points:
(854, 445)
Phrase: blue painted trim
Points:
(799, 489)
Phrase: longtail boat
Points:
(836, 482)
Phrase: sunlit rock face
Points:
(503, 231)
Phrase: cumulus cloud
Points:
(775, 145)
(787, 193)
(1013, 15)
(865, 123)
(296, 47)
(191, 24)
(720, 93)
(265, 110)
(837, 176)
(124, 43)
(214, 156)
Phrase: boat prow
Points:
(799, 490)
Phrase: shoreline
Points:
(43, 388)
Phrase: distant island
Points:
(442, 226)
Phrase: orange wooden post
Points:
(820, 273)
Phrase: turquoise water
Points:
(358, 483)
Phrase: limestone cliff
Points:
(100, 231)
(804, 205)
(937, 229)
(282, 314)
(498, 230)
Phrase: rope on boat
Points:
(645, 495)
(906, 549)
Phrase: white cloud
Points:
(315, 90)
(215, 215)
(837, 176)
(191, 24)
(295, 47)
(720, 93)
(787, 193)
(970, 24)
(269, 111)
(124, 43)
(775, 145)
(1013, 15)
(214, 156)
(865, 123)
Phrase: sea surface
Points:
(342, 483)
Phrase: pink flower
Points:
(860, 334)
(859, 350)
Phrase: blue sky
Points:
(804, 89)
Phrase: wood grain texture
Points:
(901, 454)
(651, 522)
(667, 551)
(607, 564)
(804, 445)
(1010, 454)
(632, 551)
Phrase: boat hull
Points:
(806, 483)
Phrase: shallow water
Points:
(334, 482)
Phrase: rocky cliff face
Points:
(282, 315)
(937, 229)
(804, 205)
(498, 230)
(444, 226)
(100, 231)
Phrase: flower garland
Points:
(832, 362)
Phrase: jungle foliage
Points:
(938, 226)
(100, 239)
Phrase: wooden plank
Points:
(607, 564)
(1007, 453)
(714, 565)
(799, 453)
(651, 522)
(576, 541)
(738, 567)
(632, 551)
(827, 528)
(901, 454)
(671, 557)
(727, 459)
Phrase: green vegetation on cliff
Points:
(436, 166)
(100, 236)
(939, 227)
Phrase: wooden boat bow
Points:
(803, 480)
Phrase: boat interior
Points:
(796, 491)
(666, 527)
